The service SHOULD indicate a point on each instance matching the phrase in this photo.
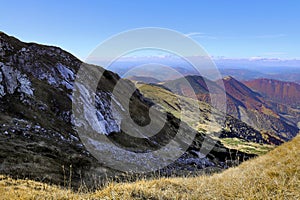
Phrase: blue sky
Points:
(235, 29)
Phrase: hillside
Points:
(143, 79)
(275, 175)
(282, 92)
(272, 176)
(232, 132)
(244, 104)
(41, 140)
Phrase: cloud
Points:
(194, 34)
(200, 35)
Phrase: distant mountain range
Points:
(240, 69)
(244, 103)
(143, 79)
(282, 74)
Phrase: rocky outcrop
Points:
(12, 80)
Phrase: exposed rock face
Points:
(38, 139)
(2, 92)
(13, 80)
(10, 77)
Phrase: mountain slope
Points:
(38, 139)
(279, 91)
(242, 103)
(231, 128)
(143, 79)
(272, 176)
(259, 112)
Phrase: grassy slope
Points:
(272, 176)
(275, 175)
(247, 147)
(170, 101)
(173, 103)
(27, 189)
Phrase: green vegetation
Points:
(247, 147)
(182, 107)
(170, 102)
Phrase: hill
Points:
(287, 93)
(232, 132)
(143, 79)
(271, 176)
(275, 175)
(243, 103)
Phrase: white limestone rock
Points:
(13, 80)
(2, 92)
(25, 85)
(10, 79)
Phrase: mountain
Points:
(264, 113)
(231, 132)
(276, 176)
(287, 93)
(143, 79)
(242, 74)
(240, 69)
(39, 139)
(242, 103)
(291, 77)
(276, 73)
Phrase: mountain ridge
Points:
(280, 91)
(243, 103)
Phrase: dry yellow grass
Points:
(275, 175)
(27, 189)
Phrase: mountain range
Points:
(270, 117)
(41, 139)
(38, 138)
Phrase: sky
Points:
(233, 29)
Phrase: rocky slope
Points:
(38, 138)
(244, 104)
